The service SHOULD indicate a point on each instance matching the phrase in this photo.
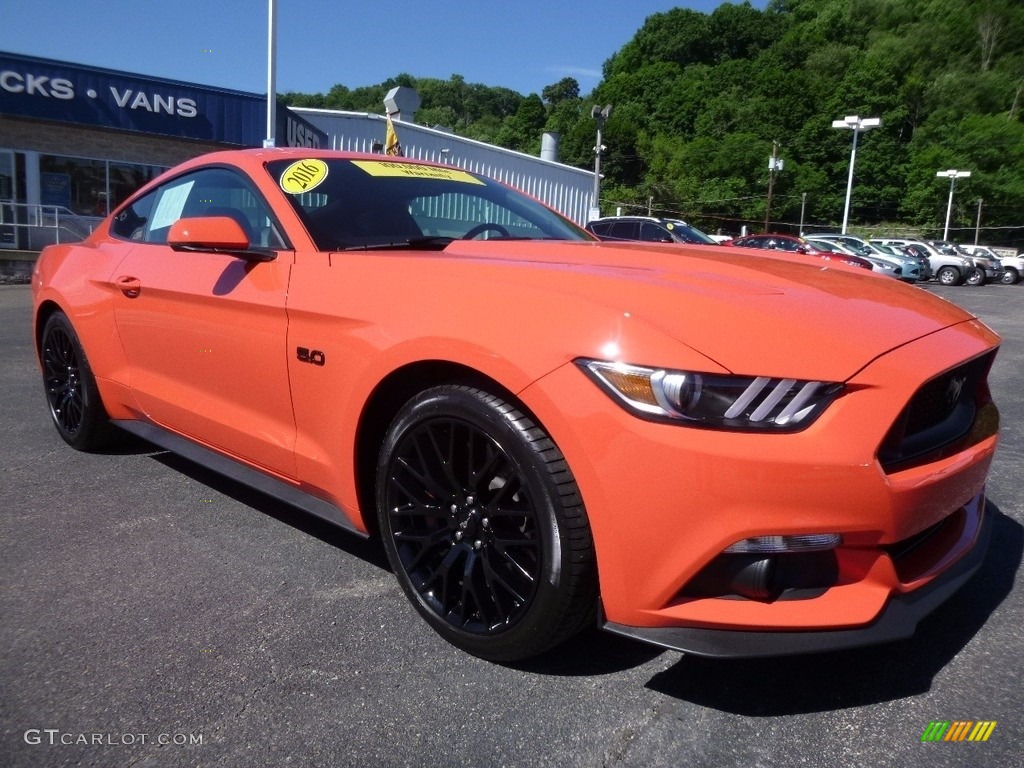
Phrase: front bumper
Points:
(897, 621)
(665, 502)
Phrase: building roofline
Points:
(442, 134)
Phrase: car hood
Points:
(751, 313)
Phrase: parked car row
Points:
(774, 242)
(955, 264)
(907, 259)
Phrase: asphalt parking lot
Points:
(154, 614)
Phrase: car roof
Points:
(655, 219)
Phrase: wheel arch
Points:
(46, 309)
(383, 405)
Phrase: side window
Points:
(625, 230)
(131, 222)
(654, 233)
(211, 192)
(600, 228)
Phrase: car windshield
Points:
(688, 234)
(826, 245)
(381, 203)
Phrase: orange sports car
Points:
(727, 454)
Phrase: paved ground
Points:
(143, 599)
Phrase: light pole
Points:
(952, 174)
(600, 115)
(269, 141)
(858, 124)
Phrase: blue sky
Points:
(519, 44)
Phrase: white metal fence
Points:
(40, 225)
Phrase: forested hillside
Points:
(698, 99)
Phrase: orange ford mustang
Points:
(709, 449)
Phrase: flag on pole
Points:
(391, 144)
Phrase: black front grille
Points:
(936, 401)
(942, 413)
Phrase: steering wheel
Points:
(487, 226)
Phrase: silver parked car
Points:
(989, 269)
(947, 268)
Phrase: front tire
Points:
(1010, 276)
(71, 391)
(484, 525)
(976, 277)
(948, 276)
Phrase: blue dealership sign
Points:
(70, 93)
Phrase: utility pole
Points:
(803, 208)
(599, 115)
(774, 164)
(977, 223)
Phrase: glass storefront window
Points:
(90, 187)
(125, 178)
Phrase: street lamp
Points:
(952, 174)
(858, 124)
(600, 115)
(269, 141)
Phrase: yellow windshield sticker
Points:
(414, 171)
(303, 176)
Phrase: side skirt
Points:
(240, 473)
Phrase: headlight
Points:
(708, 400)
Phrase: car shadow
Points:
(590, 653)
(828, 681)
(125, 444)
(368, 550)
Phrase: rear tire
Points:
(976, 277)
(1010, 276)
(71, 391)
(484, 525)
(949, 276)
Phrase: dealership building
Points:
(75, 141)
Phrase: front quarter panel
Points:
(370, 315)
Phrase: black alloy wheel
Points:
(70, 387)
(484, 526)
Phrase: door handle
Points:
(129, 286)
